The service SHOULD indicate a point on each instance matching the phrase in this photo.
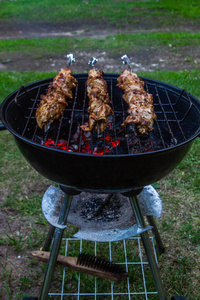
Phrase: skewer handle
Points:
(92, 61)
(70, 58)
(126, 60)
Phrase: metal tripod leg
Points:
(55, 246)
(159, 243)
(49, 238)
(148, 249)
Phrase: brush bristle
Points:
(98, 263)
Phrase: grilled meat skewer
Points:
(52, 104)
(141, 110)
(99, 108)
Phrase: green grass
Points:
(11, 81)
(189, 80)
(107, 11)
(112, 44)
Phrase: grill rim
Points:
(10, 98)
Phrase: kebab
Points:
(141, 110)
(52, 104)
(99, 108)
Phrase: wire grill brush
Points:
(88, 264)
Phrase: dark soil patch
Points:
(15, 30)
(17, 267)
(147, 60)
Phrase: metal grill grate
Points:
(172, 108)
(138, 286)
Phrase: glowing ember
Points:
(110, 139)
(62, 144)
(98, 151)
(85, 147)
(115, 144)
(49, 143)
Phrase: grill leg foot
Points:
(55, 247)
(148, 249)
(159, 243)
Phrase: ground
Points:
(147, 60)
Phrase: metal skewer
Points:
(70, 59)
(47, 126)
(126, 60)
(92, 61)
(98, 130)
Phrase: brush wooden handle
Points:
(71, 262)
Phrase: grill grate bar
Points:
(177, 121)
(160, 133)
(124, 117)
(151, 142)
(58, 132)
(91, 142)
(112, 105)
(72, 117)
(31, 110)
(34, 133)
(104, 143)
(83, 117)
(157, 123)
(190, 106)
(46, 137)
(37, 127)
(18, 93)
(180, 95)
(166, 119)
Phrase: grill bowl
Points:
(177, 126)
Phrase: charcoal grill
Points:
(139, 159)
(119, 160)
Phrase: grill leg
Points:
(148, 249)
(159, 243)
(49, 238)
(55, 247)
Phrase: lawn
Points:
(112, 43)
(104, 11)
(23, 227)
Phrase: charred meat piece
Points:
(52, 104)
(99, 108)
(141, 110)
(51, 108)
